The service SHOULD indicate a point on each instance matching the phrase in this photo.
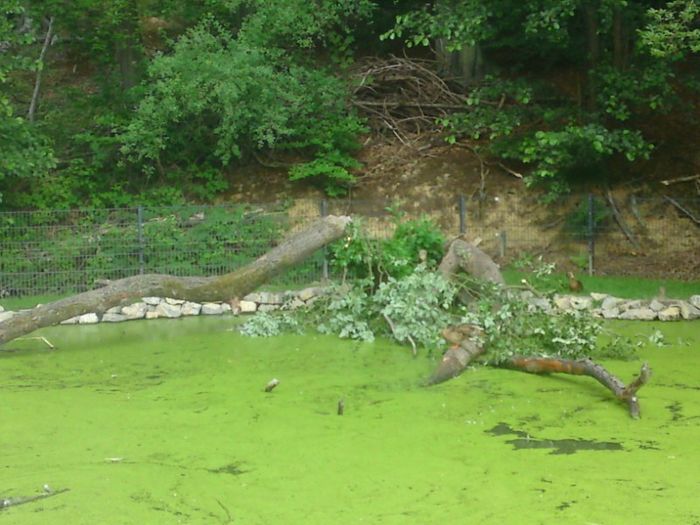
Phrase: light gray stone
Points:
(611, 313)
(597, 312)
(211, 309)
(581, 302)
(135, 311)
(88, 319)
(672, 313)
(309, 293)
(599, 296)
(541, 303)
(688, 311)
(610, 302)
(6, 315)
(248, 307)
(190, 308)
(694, 300)
(113, 318)
(174, 302)
(170, 311)
(72, 320)
(152, 314)
(656, 305)
(638, 314)
(563, 302)
(630, 305)
(526, 295)
(268, 307)
(152, 301)
(114, 310)
(1, 309)
(296, 303)
(226, 308)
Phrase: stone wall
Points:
(599, 305)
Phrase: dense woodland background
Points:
(122, 102)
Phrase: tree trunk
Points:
(40, 69)
(593, 44)
(225, 287)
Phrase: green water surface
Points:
(166, 422)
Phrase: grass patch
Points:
(625, 287)
(29, 301)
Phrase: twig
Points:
(621, 222)
(21, 500)
(46, 341)
(681, 208)
(510, 171)
(40, 68)
(393, 331)
(680, 179)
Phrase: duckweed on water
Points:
(167, 422)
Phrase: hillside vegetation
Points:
(124, 102)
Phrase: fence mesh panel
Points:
(59, 252)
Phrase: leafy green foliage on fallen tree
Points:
(415, 309)
(359, 256)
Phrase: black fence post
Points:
(324, 213)
(502, 244)
(462, 215)
(591, 234)
(139, 218)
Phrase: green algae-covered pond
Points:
(167, 422)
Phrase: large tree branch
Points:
(585, 367)
(291, 251)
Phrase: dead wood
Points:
(403, 98)
(680, 179)
(467, 345)
(291, 251)
(682, 209)
(621, 222)
(587, 367)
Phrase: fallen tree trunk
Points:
(291, 251)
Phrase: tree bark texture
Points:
(291, 251)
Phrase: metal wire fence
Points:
(57, 252)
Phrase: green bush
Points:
(358, 256)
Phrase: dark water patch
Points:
(559, 446)
(676, 410)
(233, 469)
(679, 386)
(649, 445)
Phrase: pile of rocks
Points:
(609, 307)
(599, 305)
(167, 307)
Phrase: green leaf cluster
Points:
(358, 256)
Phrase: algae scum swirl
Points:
(168, 422)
